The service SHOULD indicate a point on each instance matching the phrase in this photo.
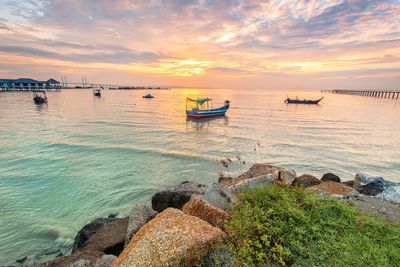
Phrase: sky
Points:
(266, 45)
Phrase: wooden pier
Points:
(372, 93)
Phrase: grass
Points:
(293, 227)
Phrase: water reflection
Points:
(200, 124)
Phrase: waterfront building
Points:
(27, 83)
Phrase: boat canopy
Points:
(200, 100)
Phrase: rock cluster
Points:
(187, 220)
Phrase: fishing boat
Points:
(40, 97)
(203, 108)
(148, 96)
(304, 101)
(97, 92)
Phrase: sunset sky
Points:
(277, 44)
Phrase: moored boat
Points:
(97, 92)
(202, 108)
(40, 97)
(303, 101)
(148, 96)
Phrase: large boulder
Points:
(279, 174)
(363, 179)
(349, 183)
(306, 180)
(172, 238)
(371, 189)
(99, 250)
(239, 186)
(219, 196)
(330, 177)
(87, 231)
(176, 196)
(109, 239)
(204, 210)
(334, 189)
(371, 185)
(138, 217)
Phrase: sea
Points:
(79, 157)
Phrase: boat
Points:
(304, 101)
(148, 96)
(203, 108)
(40, 97)
(97, 92)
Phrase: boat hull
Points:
(39, 100)
(202, 116)
(306, 102)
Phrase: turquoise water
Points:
(80, 157)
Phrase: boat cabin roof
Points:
(200, 100)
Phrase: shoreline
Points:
(361, 192)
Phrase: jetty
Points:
(392, 94)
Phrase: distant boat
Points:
(97, 92)
(304, 101)
(202, 108)
(148, 96)
(40, 97)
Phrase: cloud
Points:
(121, 56)
(245, 38)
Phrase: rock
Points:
(139, 216)
(391, 193)
(176, 196)
(333, 188)
(330, 177)
(105, 261)
(224, 180)
(172, 238)
(219, 196)
(21, 260)
(87, 231)
(81, 263)
(204, 210)
(220, 255)
(280, 175)
(241, 185)
(377, 206)
(306, 180)
(77, 259)
(363, 179)
(349, 183)
(109, 239)
(113, 215)
(371, 189)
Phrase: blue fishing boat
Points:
(203, 108)
(148, 96)
(40, 97)
(304, 101)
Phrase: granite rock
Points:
(172, 238)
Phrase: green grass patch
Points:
(291, 226)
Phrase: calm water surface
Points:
(80, 157)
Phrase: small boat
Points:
(203, 108)
(304, 101)
(40, 97)
(148, 96)
(97, 92)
